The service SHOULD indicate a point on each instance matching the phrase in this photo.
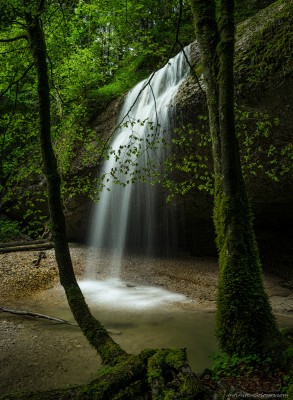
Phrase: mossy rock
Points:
(264, 45)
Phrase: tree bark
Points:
(207, 37)
(92, 328)
(245, 323)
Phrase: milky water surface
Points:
(117, 294)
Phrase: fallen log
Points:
(22, 243)
(27, 247)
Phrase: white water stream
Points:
(132, 214)
(114, 293)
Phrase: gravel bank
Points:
(194, 277)
(37, 354)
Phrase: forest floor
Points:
(37, 354)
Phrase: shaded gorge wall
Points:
(258, 89)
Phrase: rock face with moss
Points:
(263, 83)
(263, 87)
(264, 96)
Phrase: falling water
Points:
(132, 214)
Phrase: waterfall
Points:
(132, 214)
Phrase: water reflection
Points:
(148, 317)
(169, 328)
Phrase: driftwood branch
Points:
(25, 246)
(36, 315)
(49, 317)
(22, 243)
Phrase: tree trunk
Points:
(207, 36)
(92, 329)
(160, 372)
(245, 323)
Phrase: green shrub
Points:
(9, 230)
(225, 365)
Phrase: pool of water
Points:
(149, 317)
(145, 317)
(40, 354)
(156, 329)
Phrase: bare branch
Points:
(36, 315)
(193, 73)
(182, 47)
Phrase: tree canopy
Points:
(96, 51)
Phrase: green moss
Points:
(123, 80)
(245, 323)
(162, 374)
(246, 8)
(266, 52)
(118, 381)
(169, 378)
(290, 393)
(198, 69)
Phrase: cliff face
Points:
(264, 86)
(263, 73)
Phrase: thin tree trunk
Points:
(207, 36)
(92, 329)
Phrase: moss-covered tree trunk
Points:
(93, 330)
(245, 323)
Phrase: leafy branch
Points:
(14, 39)
(17, 80)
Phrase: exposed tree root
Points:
(162, 374)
